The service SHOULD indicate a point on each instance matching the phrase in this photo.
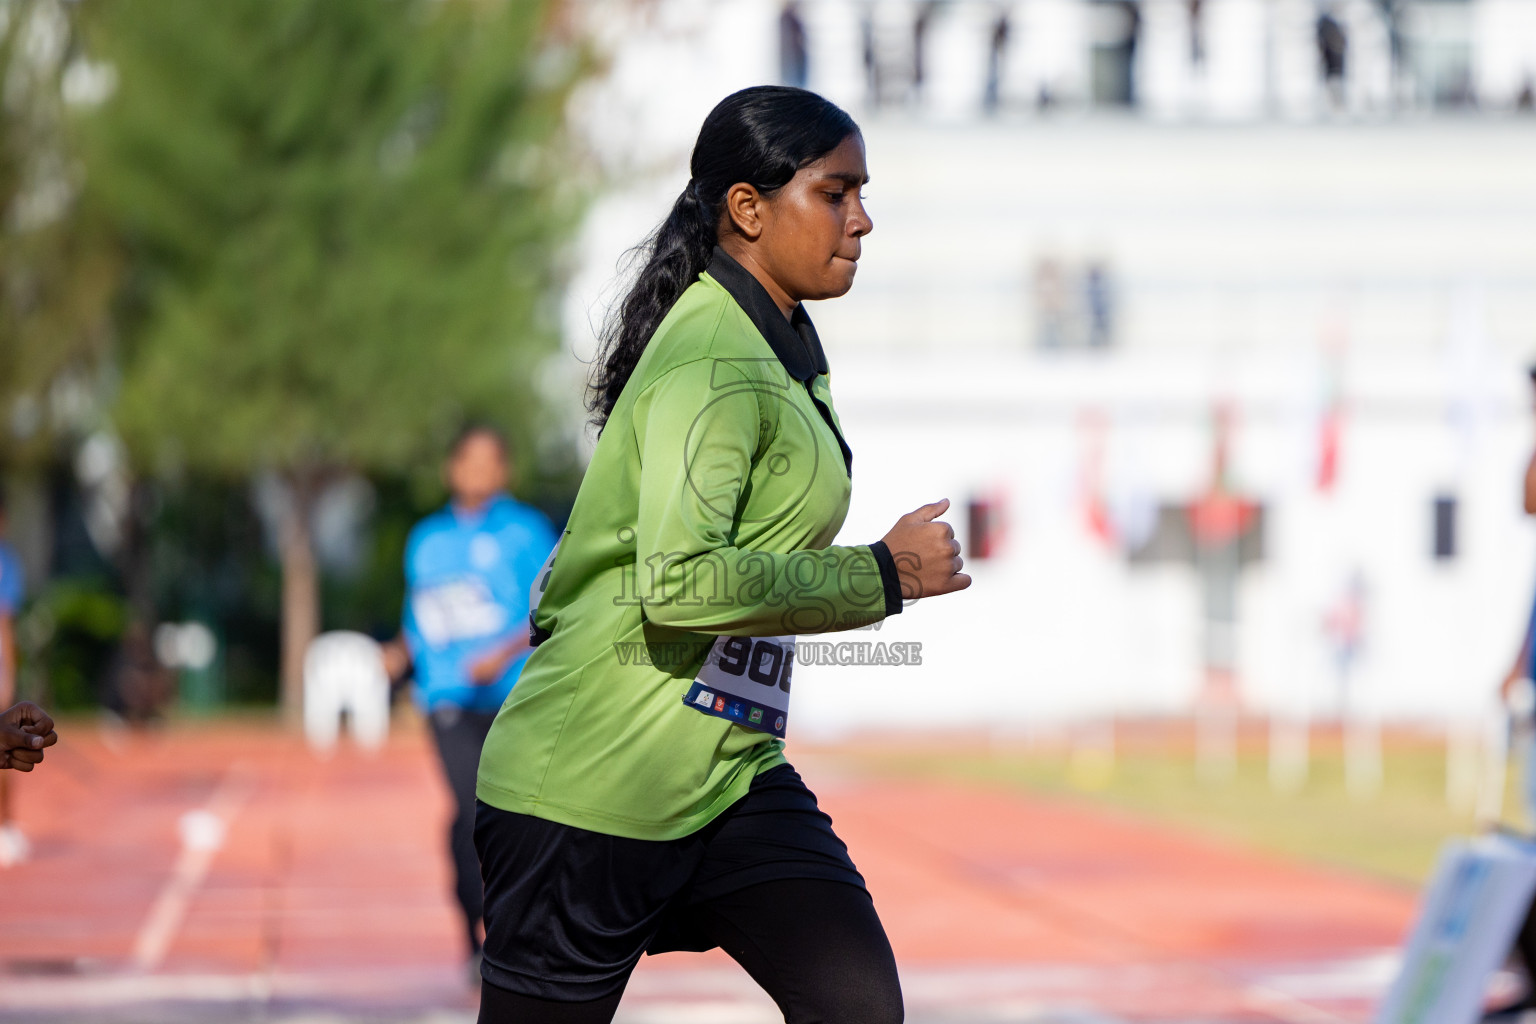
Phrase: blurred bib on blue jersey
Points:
(745, 680)
(459, 609)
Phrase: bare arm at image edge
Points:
(25, 730)
(489, 666)
(7, 659)
(1530, 486)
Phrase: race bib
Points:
(536, 635)
(460, 610)
(745, 679)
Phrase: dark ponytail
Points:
(760, 136)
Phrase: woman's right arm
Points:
(697, 434)
(698, 428)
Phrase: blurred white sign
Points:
(1471, 914)
(344, 672)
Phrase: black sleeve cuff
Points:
(890, 579)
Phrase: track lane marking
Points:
(202, 832)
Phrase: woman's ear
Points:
(743, 207)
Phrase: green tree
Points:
(58, 271)
(345, 222)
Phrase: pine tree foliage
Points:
(345, 218)
(343, 223)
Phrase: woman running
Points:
(633, 792)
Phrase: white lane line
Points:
(408, 987)
(202, 834)
(703, 995)
(1290, 1009)
(698, 1013)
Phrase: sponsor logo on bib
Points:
(745, 680)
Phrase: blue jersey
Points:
(12, 582)
(467, 579)
(12, 585)
(1530, 662)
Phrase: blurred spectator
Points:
(1521, 671)
(997, 52)
(1050, 291)
(1344, 626)
(1132, 40)
(139, 685)
(1117, 38)
(1219, 521)
(468, 570)
(1523, 668)
(1526, 101)
(872, 82)
(1074, 304)
(1197, 33)
(794, 48)
(1393, 14)
(920, 28)
(1332, 49)
(13, 845)
(12, 590)
(1098, 297)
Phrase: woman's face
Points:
(809, 231)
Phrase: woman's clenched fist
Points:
(926, 553)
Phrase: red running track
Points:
(301, 884)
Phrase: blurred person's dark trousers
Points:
(1525, 953)
(1525, 949)
(459, 735)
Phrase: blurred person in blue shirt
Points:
(13, 845)
(1516, 694)
(12, 591)
(1523, 668)
(468, 570)
(13, 588)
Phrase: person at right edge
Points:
(1522, 670)
(633, 793)
(14, 847)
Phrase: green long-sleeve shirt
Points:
(708, 510)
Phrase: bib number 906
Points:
(762, 661)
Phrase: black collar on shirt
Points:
(794, 340)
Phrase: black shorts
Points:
(568, 912)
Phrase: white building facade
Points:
(1083, 260)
